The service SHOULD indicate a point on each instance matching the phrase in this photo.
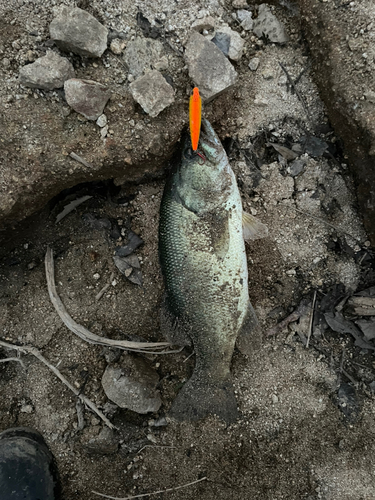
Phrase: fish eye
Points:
(188, 153)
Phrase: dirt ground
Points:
(307, 413)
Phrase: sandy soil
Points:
(294, 439)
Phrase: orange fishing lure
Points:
(195, 118)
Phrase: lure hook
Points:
(203, 158)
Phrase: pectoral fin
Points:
(252, 228)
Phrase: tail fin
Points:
(199, 398)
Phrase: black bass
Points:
(203, 260)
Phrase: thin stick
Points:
(284, 323)
(80, 160)
(154, 446)
(83, 332)
(352, 380)
(38, 355)
(152, 493)
(14, 359)
(311, 321)
(102, 292)
(341, 367)
(190, 355)
(293, 85)
(80, 415)
(328, 224)
(105, 287)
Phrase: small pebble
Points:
(152, 438)
(117, 46)
(268, 74)
(102, 120)
(260, 101)
(96, 276)
(254, 63)
(104, 132)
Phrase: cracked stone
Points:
(86, 97)
(78, 31)
(142, 54)
(208, 67)
(268, 25)
(131, 384)
(48, 72)
(152, 92)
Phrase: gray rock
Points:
(207, 23)
(268, 25)
(78, 31)
(297, 167)
(104, 444)
(209, 69)
(86, 97)
(236, 43)
(152, 92)
(47, 73)
(132, 384)
(246, 20)
(254, 63)
(142, 54)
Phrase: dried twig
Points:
(293, 85)
(71, 206)
(14, 359)
(105, 288)
(80, 415)
(328, 224)
(102, 292)
(80, 160)
(32, 350)
(300, 311)
(83, 332)
(284, 323)
(341, 367)
(311, 321)
(153, 492)
(352, 380)
(190, 355)
(154, 446)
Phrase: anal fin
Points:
(249, 336)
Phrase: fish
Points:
(203, 261)
(195, 118)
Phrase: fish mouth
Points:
(209, 145)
